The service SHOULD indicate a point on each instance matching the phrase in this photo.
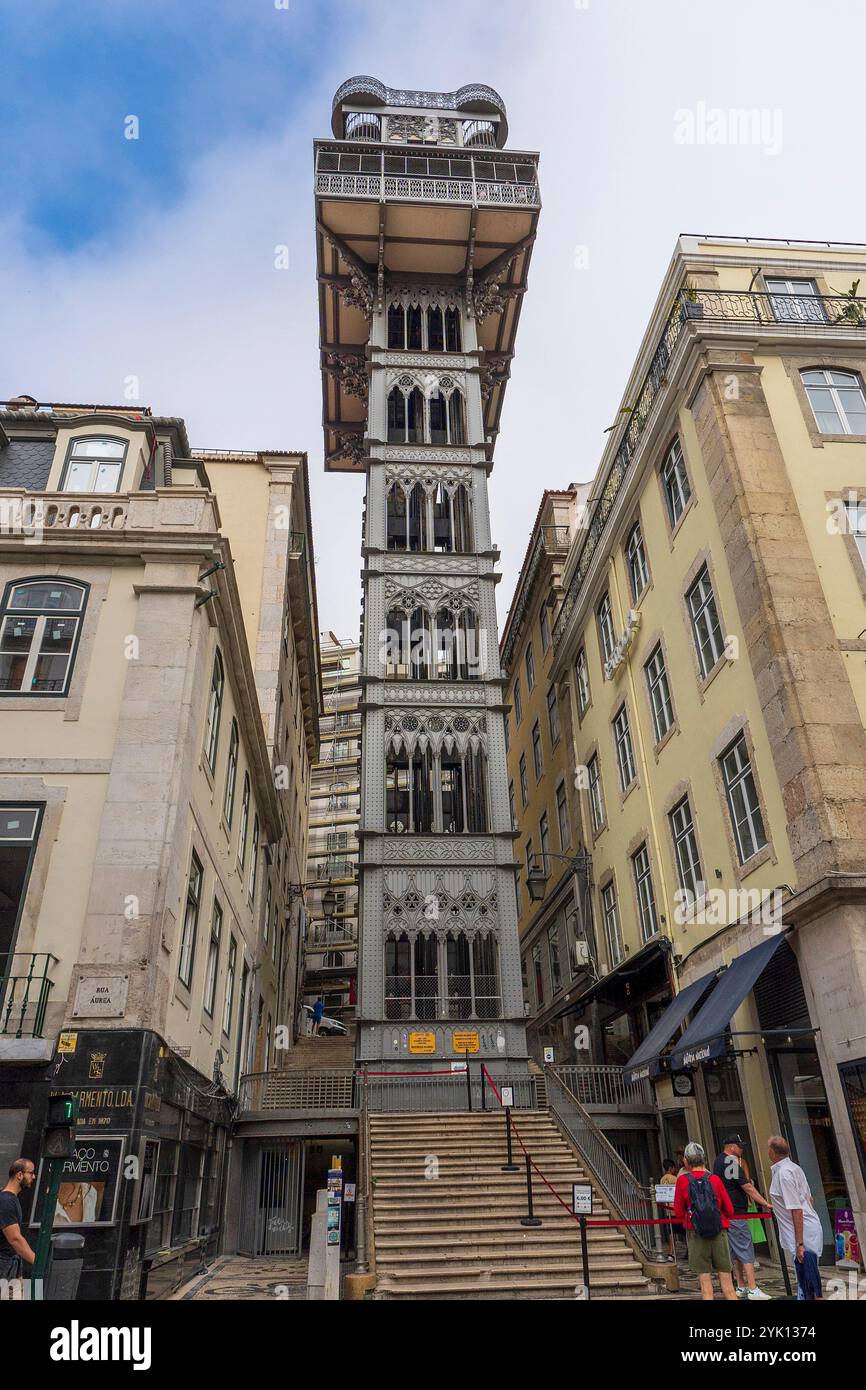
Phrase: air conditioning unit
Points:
(581, 954)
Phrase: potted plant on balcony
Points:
(853, 310)
(690, 306)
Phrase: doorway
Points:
(273, 1177)
(808, 1127)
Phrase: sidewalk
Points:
(234, 1278)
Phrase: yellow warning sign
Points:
(466, 1042)
(67, 1042)
(422, 1042)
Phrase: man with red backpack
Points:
(702, 1203)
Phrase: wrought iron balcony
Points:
(459, 176)
(791, 315)
(333, 936)
(25, 985)
(336, 869)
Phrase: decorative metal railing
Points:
(435, 1091)
(336, 869)
(421, 997)
(331, 937)
(809, 313)
(24, 989)
(605, 1085)
(625, 1193)
(408, 188)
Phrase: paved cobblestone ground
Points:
(240, 1278)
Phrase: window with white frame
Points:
(856, 524)
(245, 822)
(553, 716)
(554, 956)
(624, 749)
(229, 1001)
(524, 785)
(581, 681)
(254, 861)
(518, 701)
(562, 817)
(646, 902)
(606, 633)
(837, 400)
(709, 642)
(190, 922)
(93, 465)
(537, 754)
(544, 627)
(795, 301)
(596, 796)
(612, 931)
(529, 662)
(636, 561)
(742, 796)
(512, 806)
(231, 774)
(659, 689)
(214, 711)
(213, 956)
(689, 871)
(39, 627)
(675, 482)
(544, 836)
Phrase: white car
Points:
(330, 1027)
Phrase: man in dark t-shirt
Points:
(729, 1167)
(13, 1246)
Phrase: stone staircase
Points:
(458, 1235)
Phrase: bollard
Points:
(510, 1166)
(530, 1219)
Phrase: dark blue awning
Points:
(645, 1061)
(705, 1036)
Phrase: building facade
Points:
(425, 224)
(331, 962)
(711, 638)
(159, 689)
(541, 785)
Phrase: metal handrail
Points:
(840, 312)
(328, 1088)
(625, 1193)
(604, 1085)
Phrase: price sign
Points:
(581, 1199)
(507, 1096)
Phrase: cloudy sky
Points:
(154, 257)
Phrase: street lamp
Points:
(537, 874)
(329, 902)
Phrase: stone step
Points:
(419, 1238)
(551, 1164)
(524, 1285)
(451, 1264)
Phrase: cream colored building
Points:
(160, 695)
(712, 637)
(331, 962)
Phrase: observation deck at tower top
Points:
(417, 187)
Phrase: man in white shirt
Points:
(800, 1229)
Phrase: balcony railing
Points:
(429, 186)
(605, 1086)
(804, 314)
(333, 937)
(336, 869)
(25, 986)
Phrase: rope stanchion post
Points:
(509, 1166)
(789, 1293)
(468, 1080)
(584, 1257)
(483, 1087)
(530, 1219)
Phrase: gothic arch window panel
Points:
(436, 774)
(408, 644)
(447, 414)
(407, 520)
(398, 977)
(435, 328)
(452, 330)
(405, 416)
(396, 327)
(472, 976)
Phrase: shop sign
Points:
(67, 1042)
(847, 1244)
(422, 1043)
(466, 1042)
(548, 1056)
